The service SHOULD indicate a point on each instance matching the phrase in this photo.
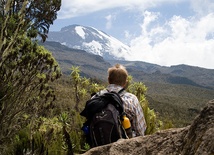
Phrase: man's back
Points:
(104, 113)
(132, 109)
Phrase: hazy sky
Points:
(164, 32)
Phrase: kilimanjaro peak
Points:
(92, 41)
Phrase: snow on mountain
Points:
(92, 41)
(80, 31)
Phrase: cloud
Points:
(202, 7)
(109, 19)
(76, 8)
(178, 40)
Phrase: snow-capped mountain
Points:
(92, 41)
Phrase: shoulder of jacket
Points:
(101, 92)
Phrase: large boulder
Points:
(196, 139)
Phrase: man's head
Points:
(117, 75)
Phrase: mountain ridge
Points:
(141, 71)
(178, 74)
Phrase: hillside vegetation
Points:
(178, 103)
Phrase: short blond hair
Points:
(117, 75)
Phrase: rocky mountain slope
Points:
(91, 65)
(196, 139)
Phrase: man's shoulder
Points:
(129, 95)
(101, 92)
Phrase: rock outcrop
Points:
(196, 139)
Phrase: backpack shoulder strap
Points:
(119, 101)
(120, 91)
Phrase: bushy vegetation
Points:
(72, 93)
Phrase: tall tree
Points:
(80, 85)
(25, 67)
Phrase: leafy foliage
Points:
(25, 73)
(38, 15)
(82, 86)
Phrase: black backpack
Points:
(104, 114)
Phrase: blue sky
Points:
(164, 32)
